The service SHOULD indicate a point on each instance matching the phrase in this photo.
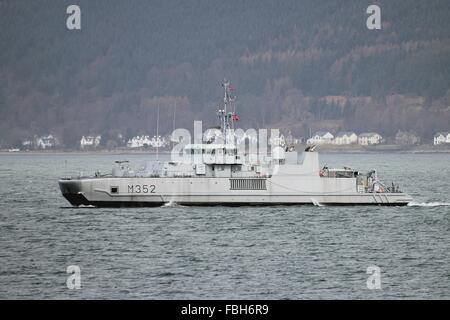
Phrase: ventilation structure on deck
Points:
(248, 184)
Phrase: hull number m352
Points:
(141, 188)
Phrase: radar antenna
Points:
(227, 112)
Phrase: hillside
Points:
(302, 65)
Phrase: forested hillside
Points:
(300, 65)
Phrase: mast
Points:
(173, 123)
(227, 118)
(157, 134)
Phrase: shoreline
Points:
(89, 152)
(420, 149)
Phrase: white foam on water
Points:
(172, 204)
(316, 203)
(428, 204)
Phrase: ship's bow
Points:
(71, 190)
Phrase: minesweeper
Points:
(217, 173)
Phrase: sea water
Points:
(176, 252)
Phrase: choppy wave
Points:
(429, 204)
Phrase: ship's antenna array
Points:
(173, 122)
(227, 112)
(157, 135)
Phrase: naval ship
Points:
(217, 173)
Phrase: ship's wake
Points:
(316, 203)
(428, 204)
(172, 204)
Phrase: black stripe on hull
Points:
(76, 199)
(271, 204)
(79, 199)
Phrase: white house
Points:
(145, 141)
(45, 142)
(441, 137)
(27, 144)
(139, 142)
(158, 142)
(278, 141)
(321, 137)
(369, 138)
(346, 138)
(90, 141)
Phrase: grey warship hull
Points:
(151, 192)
